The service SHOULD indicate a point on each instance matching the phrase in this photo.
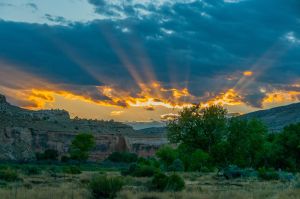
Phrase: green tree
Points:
(288, 148)
(82, 144)
(167, 155)
(246, 141)
(199, 128)
(199, 161)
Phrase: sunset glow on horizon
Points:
(136, 61)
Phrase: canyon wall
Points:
(23, 133)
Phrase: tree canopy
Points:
(207, 137)
(82, 144)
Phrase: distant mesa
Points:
(2, 99)
(23, 133)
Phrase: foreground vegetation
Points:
(211, 156)
(197, 185)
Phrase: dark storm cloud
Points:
(198, 44)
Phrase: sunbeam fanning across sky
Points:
(146, 60)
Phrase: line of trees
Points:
(207, 138)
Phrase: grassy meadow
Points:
(56, 183)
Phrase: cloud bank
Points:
(159, 53)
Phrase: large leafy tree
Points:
(288, 148)
(82, 144)
(199, 128)
(246, 142)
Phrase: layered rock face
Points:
(23, 133)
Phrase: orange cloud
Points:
(147, 98)
(248, 73)
(116, 113)
(281, 97)
(168, 116)
(230, 97)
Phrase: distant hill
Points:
(145, 125)
(277, 118)
(153, 131)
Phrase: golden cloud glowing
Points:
(230, 97)
(281, 97)
(148, 98)
(248, 73)
(116, 113)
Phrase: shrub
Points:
(175, 183)
(53, 171)
(199, 161)
(65, 158)
(268, 174)
(144, 171)
(31, 170)
(9, 175)
(177, 165)
(286, 176)
(72, 170)
(167, 155)
(123, 157)
(49, 154)
(132, 168)
(162, 182)
(159, 182)
(105, 187)
(297, 184)
(140, 170)
(232, 172)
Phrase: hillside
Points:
(277, 118)
(24, 133)
(55, 120)
(153, 131)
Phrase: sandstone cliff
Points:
(23, 133)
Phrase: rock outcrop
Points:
(23, 133)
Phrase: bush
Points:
(175, 183)
(54, 170)
(162, 182)
(31, 170)
(144, 171)
(297, 184)
(72, 170)
(199, 161)
(105, 187)
(177, 165)
(268, 174)
(132, 168)
(49, 154)
(65, 158)
(232, 172)
(123, 157)
(159, 182)
(149, 161)
(9, 175)
(140, 170)
(167, 155)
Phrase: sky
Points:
(145, 60)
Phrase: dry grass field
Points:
(198, 186)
